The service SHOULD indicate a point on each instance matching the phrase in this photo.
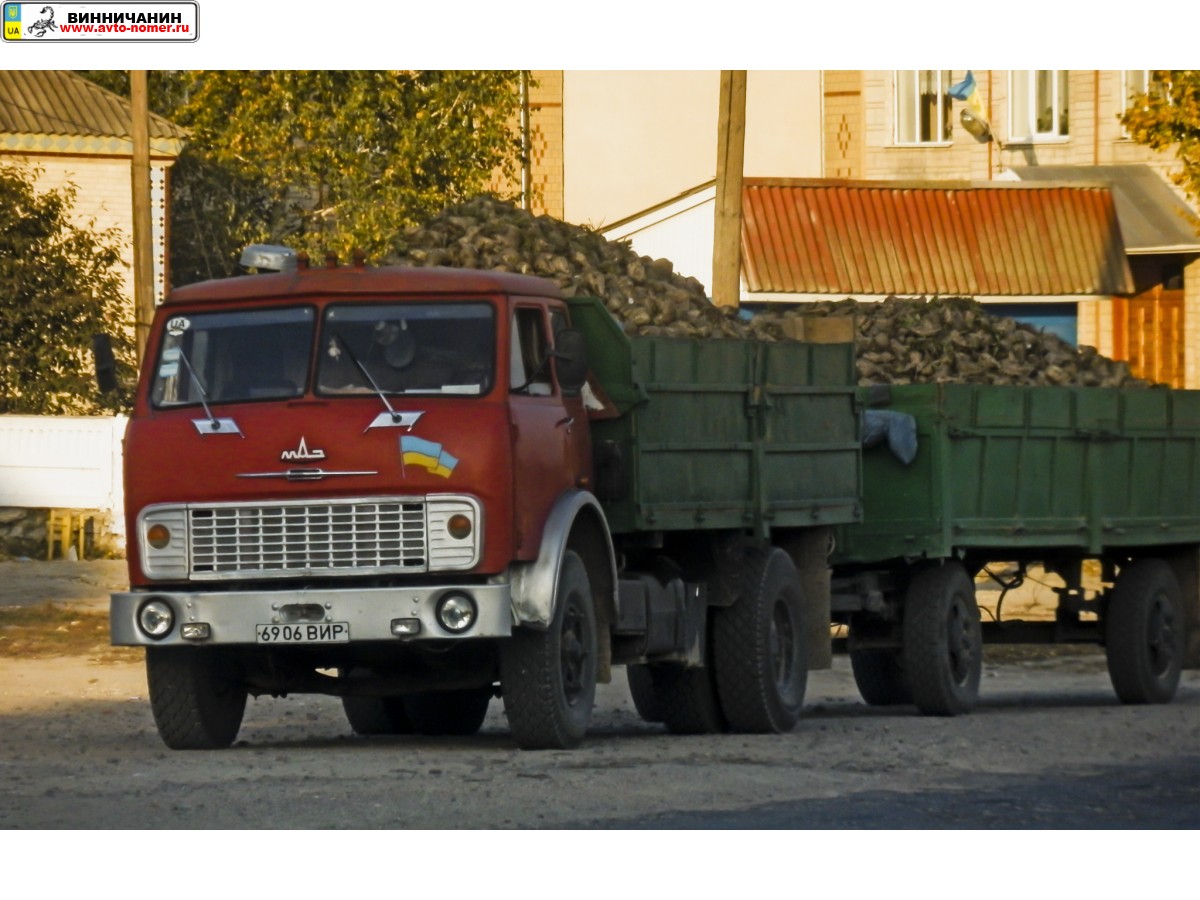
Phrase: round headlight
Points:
(456, 612)
(459, 527)
(158, 536)
(156, 618)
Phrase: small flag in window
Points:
(974, 117)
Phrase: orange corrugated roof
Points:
(825, 236)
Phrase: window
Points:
(1146, 81)
(1140, 82)
(1137, 81)
(529, 370)
(407, 348)
(922, 107)
(1039, 105)
(229, 357)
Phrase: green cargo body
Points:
(723, 434)
(1014, 470)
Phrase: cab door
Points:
(551, 450)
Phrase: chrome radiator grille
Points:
(307, 538)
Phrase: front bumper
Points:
(234, 616)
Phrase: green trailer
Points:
(729, 434)
(1078, 479)
(722, 467)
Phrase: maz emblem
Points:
(302, 453)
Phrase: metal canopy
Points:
(1152, 217)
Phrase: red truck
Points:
(402, 487)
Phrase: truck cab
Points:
(350, 480)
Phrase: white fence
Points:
(63, 462)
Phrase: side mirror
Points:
(570, 361)
(105, 363)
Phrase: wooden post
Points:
(143, 240)
(727, 226)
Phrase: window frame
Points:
(544, 384)
(1150, 85)
(1060, 107)
(943, 119)
(168, 357)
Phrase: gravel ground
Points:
(1048, 748)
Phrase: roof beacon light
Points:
(269, 258)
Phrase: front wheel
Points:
(943, 641)
(197, 696)
(1144, 633)
(548, 678)
(760, 654)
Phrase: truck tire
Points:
(458, 713)
(373, 715)
(548, 678)
(196, 695)
(759, 648)
(688, 700)
(1144, 633)
(377, 715)
(642, 691)
(880, 677)
(943, 641)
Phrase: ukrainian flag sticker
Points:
(415, 451)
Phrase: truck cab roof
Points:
(363, 280)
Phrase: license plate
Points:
(303, 633)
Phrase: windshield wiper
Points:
(213, 420)
(397, 417)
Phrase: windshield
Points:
(228, 357)
(417, 348)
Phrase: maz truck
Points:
(420, 489)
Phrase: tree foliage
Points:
(1168, 116)
(323, 160)
(344, 160)
(59, 285)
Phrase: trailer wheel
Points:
(196, 695)
(457, 713)
(1144, 633)
(760, 654)
(943, 641)
(548, 678)
(880, 677)
(642, 691)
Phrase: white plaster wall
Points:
(634, 139)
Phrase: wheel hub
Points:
(960, 645)
(781, 645)
(573, 654)
(1161, 634)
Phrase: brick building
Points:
(75, 132)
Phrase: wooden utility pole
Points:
(727, 227)
(143, 239)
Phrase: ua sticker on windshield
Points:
(415, 451)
